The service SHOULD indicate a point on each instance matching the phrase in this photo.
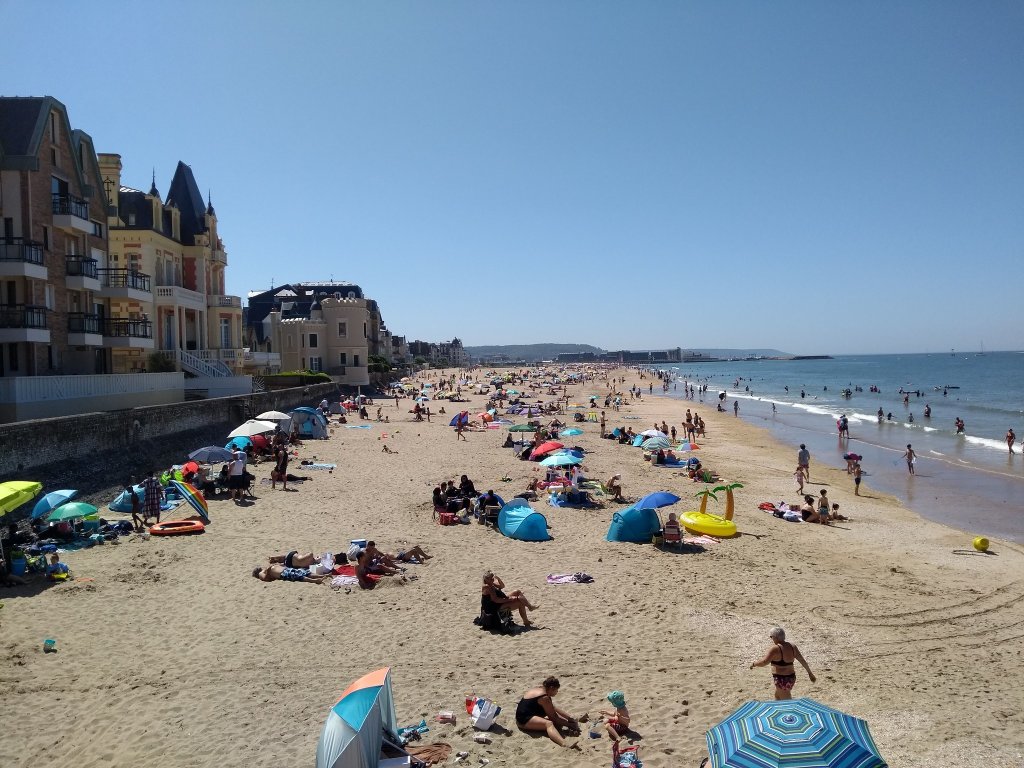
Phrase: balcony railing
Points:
(81, 322)
(124, 278)
(81, 266)
(69, 205)
(22, 316)
(19, 249)
(122, 327)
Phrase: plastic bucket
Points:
(19, 566)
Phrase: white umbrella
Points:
(273, 416)
(252, 427)
(653, 433)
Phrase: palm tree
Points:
(703, 495)
(729, 504)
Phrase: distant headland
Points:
(502, 354)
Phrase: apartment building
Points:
(54, 305)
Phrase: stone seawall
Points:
(95, 451)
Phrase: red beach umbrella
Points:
(546, 447)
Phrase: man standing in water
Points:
(911, 458)
(803, 461)
(1010, 438)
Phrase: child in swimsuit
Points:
(616, 721)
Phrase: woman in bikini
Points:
(492, 590)
(781, 656)
(537, 712)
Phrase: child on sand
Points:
(616, 721)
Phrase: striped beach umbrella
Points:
(194, 497)
(797, 733)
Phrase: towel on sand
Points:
(570, 578)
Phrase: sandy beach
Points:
(171, 654)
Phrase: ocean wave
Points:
(986, 442)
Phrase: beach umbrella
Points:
(71, 510)
(273, 416)
(656, 500)
(51, 501)
(522, 428)
(653, 433)
(355, 727)
(211, 454)
(241, 443)
(797, 733)
(561, 460)
(570, 432)
(422, 399)
(461, 417)
(685, 446)
(14, 493)
(252, 427)
(191, 494)
(189, 466)
(546, 447)
(656, 443)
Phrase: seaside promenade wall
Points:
(100, 450)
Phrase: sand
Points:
(171, 654)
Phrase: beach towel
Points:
(358, 426)
(570, 578)
(431, 754)
(321, 466)
(701, 540)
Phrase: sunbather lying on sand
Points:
(276, 572)
(410, 555)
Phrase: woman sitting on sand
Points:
(614, 487)
(537, 712)
(492, 590)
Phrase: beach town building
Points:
(445, 353)
(327, 326)
(54, 302)
(167, 265)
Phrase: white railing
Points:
(223, 300)
(227, 355)
(192, 363)
(177, 294)
(262, 359)
(35, 389)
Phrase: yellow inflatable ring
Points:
(712, 525)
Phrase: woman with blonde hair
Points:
(781, 656)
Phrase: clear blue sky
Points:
(814, 177)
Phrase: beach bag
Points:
(484, 713)
(448, 518)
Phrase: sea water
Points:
(969, 481)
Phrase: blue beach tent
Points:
(310, 423)
(518, 520)
(634, 525)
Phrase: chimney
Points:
(110, 177)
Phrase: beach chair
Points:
(672, 534)
(592, 416)
(495, 620)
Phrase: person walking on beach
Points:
(735, 407)
(781, 656)
(911, 458)
(1010, 438)
(857, 472)
(799, 477)
(803, 460)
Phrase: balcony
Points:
(84, 330)
(23, 323)
(82, 274)
(71, 213)
(218, 300)
(218, 257)
(177, 296)
(262, 360)
(21, 258)
(124, 284)
(121, 333)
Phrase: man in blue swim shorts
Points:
(277, 572)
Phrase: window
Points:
(313, 344)
(342, 330)
(49, 296)
(131, 219)
(46, 238)
(225, 333)
(53, 126)
(8, 228)
(97, 229)
(355, 360)
(343, 358)
(12, 350)
(53, 158)
(364, 330)
(315, 364)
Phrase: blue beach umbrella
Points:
(656, 500)
(239, 442)
(355, 727)
(51, 501)
(798, 733)
(570, 432)
(213, 454)
(561, 460)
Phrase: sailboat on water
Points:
(982, 352)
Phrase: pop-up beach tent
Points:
(634, 525)
(518, 521)
(357, 725)
(310, 423)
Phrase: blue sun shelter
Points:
(310, 423)
(518, 520)
(634, 525)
